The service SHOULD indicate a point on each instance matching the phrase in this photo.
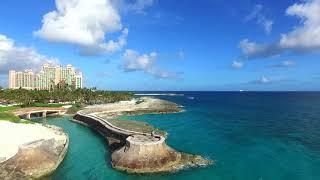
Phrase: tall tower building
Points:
(46, 79)
(12, 79)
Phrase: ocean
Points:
(249, 135)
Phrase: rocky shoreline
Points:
(37, 156)
(139, 152)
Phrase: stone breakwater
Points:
(35, 151)
(137, 152)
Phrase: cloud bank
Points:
(133, 61)
(258, 16)
(85, 23)
(303, 38)
(19, 58)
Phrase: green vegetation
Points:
(41, 98)
(136, 126)
(62, 94)
(8, 108)
(7, 116)
(75, 108)
(46, 105)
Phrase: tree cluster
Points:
(63, 95)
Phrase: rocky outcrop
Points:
(147, 154)
(144, 154)
(36, 159)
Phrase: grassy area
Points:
(136, 126)
(75, 108)
(7, 116)
(9, 108)
(45, 105)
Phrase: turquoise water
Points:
(256, 136)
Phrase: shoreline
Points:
(122, 145)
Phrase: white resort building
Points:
(46, 79)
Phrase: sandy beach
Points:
(13, 135)
(142, 105)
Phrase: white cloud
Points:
(85, 23)
(267, 24)
(303, 38)
(288, 63)
(306, 36)
(133, 61)
(255, 50)
(137, 6)
(283, 64)
(111, 46)
(13, 57)
(258, 15)
(262, 80)
(237, 64)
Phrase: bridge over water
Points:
(34, 112)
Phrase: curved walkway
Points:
(111, 127)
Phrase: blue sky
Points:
(167, 44)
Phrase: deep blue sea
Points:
(249, 135)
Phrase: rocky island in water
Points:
(137, 147)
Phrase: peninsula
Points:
(136, 149)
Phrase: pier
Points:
(132, 151)
(105, 128)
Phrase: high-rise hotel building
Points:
(46, 79)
